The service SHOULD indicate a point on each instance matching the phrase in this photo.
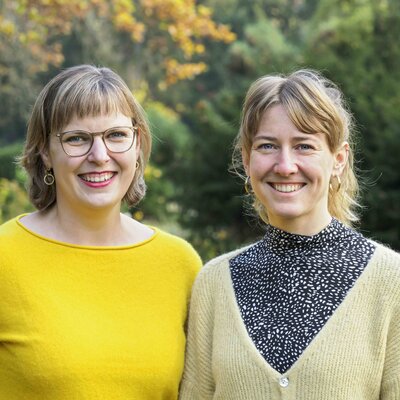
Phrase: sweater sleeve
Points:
(390, 389)
(197, 382)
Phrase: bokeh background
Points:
(190, 63)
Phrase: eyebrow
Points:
(306, 136)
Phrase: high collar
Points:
(277, 240)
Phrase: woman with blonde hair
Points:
(311, 311)
(92, 302)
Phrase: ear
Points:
(245, 161)
(341, 157)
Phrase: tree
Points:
(162, 38)
(160, 26)
(356, 46)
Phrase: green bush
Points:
(8, 164)
(13, 200)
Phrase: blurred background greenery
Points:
(190, 63)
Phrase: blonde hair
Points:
(79, 92)
(314, 104)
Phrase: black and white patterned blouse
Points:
(287, 286)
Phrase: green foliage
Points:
(13, 200)
(170, 138)
(8, 160)
(17, 91)
(13, 197)
(356, 46)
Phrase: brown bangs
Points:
(311, 112)
(79, 101)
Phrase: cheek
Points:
(259, 164)
(128, 164)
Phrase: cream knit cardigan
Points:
(355, 356)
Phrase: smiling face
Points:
(290, 172)
(99, 179)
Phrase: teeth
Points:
(286, 188)
(97, 177)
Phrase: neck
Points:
(91, 227)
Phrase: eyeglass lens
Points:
(79, 143)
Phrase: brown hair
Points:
(314, 104)
(80, 91)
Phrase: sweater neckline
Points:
(84, 247)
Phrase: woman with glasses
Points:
(92, 302)
(312, 310)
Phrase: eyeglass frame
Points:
(134, 129)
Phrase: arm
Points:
(390, 388)
(197, 382)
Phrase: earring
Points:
(137, 165)
(247, 186)
(339, 183)
(48, 177)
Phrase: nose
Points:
(99, 152)
(285, 163)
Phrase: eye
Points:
(76, 138)
(118, 134)
(305, 147)
(265, 147)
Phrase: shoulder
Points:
(383, 257)
(9, 229)
(14, 242)
(173, 242)
(175, 249)
(385, 271)
(386, 258)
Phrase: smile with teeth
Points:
(287, 187)
(96, 178)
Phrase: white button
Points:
(284, 382)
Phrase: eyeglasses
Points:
(117, 140)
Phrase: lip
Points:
(97, 179)
(287, 187)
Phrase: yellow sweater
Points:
(355, 356)
(85, 322)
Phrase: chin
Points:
(102, 205)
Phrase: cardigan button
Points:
(284, 382)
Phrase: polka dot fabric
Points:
(287, 286)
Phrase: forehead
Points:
(98, 123)
(276, 123)
(276, 119)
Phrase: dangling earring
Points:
(137, 165)
(247, 186)
(339, 184)
(48, 177)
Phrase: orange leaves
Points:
(124, 20)
(187, 25)
(177, 71)
(167, 27)
(33, 25)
